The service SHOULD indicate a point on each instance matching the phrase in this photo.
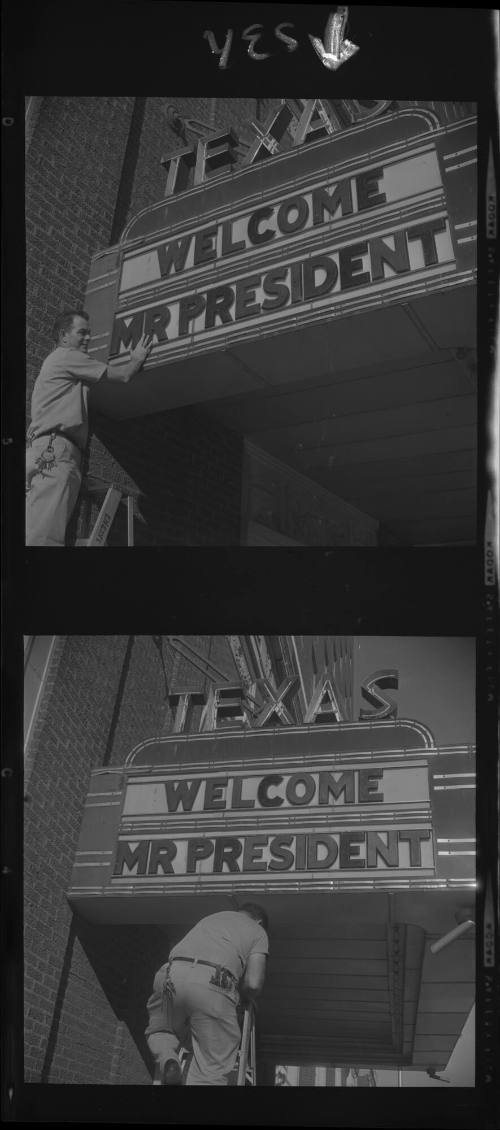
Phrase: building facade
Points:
(307, 270)
(171, 776)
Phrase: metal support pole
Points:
(452, 936)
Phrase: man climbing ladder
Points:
(58, 433)
(197, 991)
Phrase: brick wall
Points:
(85, 985)
(73, 170)
(144, 710)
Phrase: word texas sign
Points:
(223, 706)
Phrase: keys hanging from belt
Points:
(167, 996)
(46, 460)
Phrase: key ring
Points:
(46, 460)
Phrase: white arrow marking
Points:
(335, 49)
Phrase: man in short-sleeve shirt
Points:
(197, 991)
(58, 432)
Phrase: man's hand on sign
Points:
(119, 371)
(142, 349)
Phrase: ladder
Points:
(246, 1055)
(245, 1060)
(113, 495)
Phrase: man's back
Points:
(227, 938)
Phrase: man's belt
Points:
(212, 964)
(57, 432)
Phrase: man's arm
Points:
(124, 371)
(254, 976)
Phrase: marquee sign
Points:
(275, 281)
(306, 821)
(348, 787)
(344, 853)
(212, 812)
(347, 806)
(327, 204)
(231, 705)
(376, 213)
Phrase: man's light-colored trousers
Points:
(51, 493)
(205, 1013)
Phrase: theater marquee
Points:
(323, 821)
(403, 849)
(373, 215)
(320, 810)
(298, 253)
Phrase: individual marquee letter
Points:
(384, 706)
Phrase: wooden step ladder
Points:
(246, 1055)
(113, 496)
